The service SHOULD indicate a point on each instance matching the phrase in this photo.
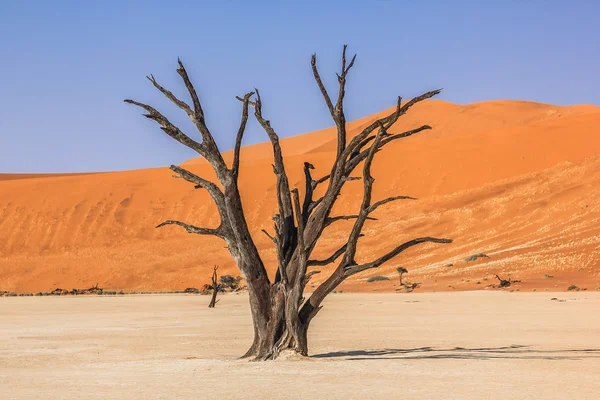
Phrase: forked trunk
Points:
(282, 331)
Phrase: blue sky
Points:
(66, 66)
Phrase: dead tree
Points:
(280, 313)
(215, 286)
(401, 271)
(505, 282)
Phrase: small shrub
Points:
(378, 278)
(548, 276)
(573, 288)
(230, 282)
(476, 256)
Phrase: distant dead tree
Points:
(280, 313)
(506, 282)
(215, 287)
(401, 271)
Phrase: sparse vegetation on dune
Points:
(378, 278)
(476, 256)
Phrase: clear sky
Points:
(66, 67)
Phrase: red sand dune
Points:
(518, 181)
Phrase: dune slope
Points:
(515, 180)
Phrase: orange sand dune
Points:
(515, 180)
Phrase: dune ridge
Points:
(512, 179)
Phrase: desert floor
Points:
(429, 346)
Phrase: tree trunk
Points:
(259, 293)
(213, 300)
(215, 287)
(283, 330)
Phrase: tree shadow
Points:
(519, 352)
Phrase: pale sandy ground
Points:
(479, 345)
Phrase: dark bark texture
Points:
(281, 314)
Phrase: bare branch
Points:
(194, 229)
(279, 167)
(269, 235)
(339, 116)
(387, 121)
(306, 204)
(337, 112)
(215, 193)
(392, 137)
(313, 63)
(252, 103)
(198, 112)
(169, 95)
(356, 158)
(330, 259)
(299, 221)
(301, 246)
(354, 269)
(287, 232)
(321, 180)
(363, 214)
(331, 220)
(308, 276)
(388, 200)
(344, 178)
(212, 153)
(186, 175)
(238, 141)
(168, 127)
